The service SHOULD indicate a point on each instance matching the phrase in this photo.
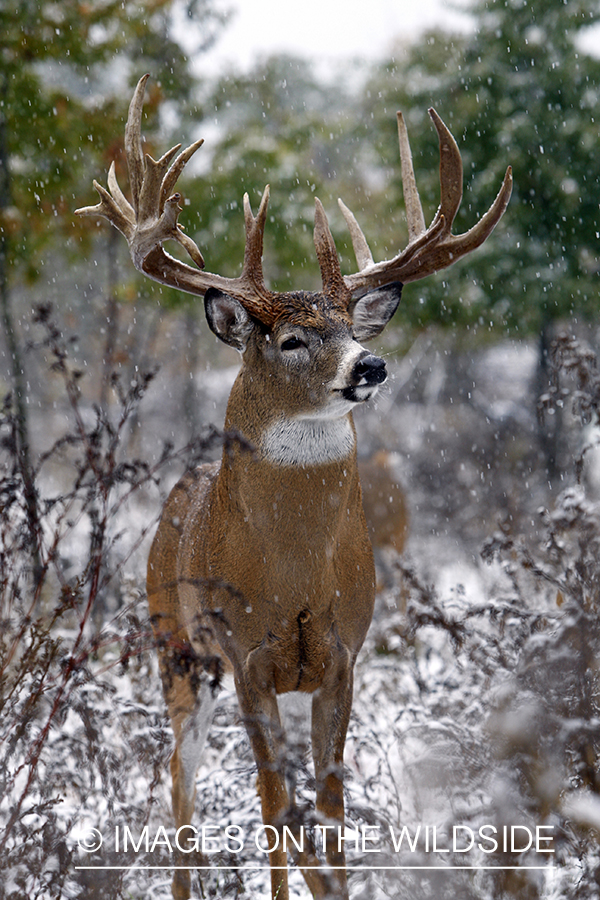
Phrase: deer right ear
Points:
(227, 318)
(374, 310)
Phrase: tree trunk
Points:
(549, 426)
(22, 448)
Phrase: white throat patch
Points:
(308, 442)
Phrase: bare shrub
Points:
(497, 703)
(468, 713)
(71, 733)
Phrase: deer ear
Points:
(227, 318)
(374, 310)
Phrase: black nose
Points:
(371, 369)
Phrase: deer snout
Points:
(369, 370)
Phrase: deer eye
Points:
(292, 343)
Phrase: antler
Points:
(151, 218)
(433, 249)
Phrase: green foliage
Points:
(66, 68)
(536, 95)
(517, 91)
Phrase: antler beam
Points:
(151, 218)
(434, 248)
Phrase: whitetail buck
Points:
(267, 551)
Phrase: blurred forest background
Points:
(477, 695)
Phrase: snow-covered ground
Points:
(435, 677)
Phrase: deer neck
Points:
(289, 441)
(303, 465)
(308, 442)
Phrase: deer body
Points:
(291, 575)
(280, 539)
(262, 562)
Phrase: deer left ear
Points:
(227, 318)
(374, 310)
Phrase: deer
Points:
(261, 564)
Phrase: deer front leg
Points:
(258, 704)
(331, 707)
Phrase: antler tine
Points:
(331, 274)
(133, 141)
(363, 254)
(119, 196)
(412, 201)
(451, 192)
(252, 273)
(121, 216)
(255, 229)
(150, 197)
(451, 173)
(436, 248)
(172, 176)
